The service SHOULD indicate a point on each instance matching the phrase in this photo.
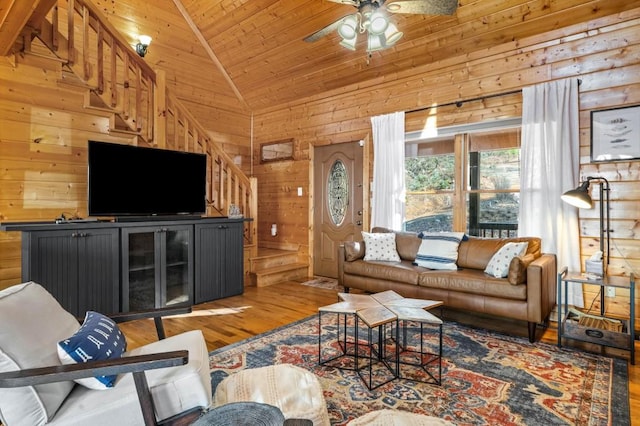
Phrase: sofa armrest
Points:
(341, 260)
(136, 365)
(348, 251)
(66, 372)
(541, 287)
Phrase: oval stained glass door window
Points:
(337, 192)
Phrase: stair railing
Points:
(121, 82)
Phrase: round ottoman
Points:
(242, 414)
(294, 390)
(397, 418)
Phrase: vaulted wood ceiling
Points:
(249, 55)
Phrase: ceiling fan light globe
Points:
(348, 29)
(349, 43)
(378, 23)
(375, 42)
(392, 35)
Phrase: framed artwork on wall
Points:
(277, 151)
(615, 134)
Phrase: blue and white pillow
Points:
(98, 339)
(439, 250)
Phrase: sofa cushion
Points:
(472, 281)
(403, 272)
(98, 339)
(353, 250)
(380, 246)
(499, 264)
(475, 252)
(518, 269)
(33, 322)
(407, 243)
(439, 250)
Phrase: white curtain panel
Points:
(388, 198)
(550, 166)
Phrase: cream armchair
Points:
(170, 378)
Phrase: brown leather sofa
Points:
(468, 288)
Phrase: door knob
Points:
(359, 222)
(359, 212)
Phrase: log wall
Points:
(604, 54)
(44, 129)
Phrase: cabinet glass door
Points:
(142, 264)
(177, 267)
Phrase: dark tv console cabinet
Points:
(121, 266)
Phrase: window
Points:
(493, 186)
(430, 179)
(482, 199)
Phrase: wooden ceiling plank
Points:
(259, 44)
(212, 55)
(475, 42)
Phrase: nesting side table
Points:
(375, 350)
(345, 317)
(623, 339)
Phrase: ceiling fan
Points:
(371, 19)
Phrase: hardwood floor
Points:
(261, 309)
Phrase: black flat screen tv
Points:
(126, 180)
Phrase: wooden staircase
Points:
(97, 61)
(272, 266)
(118, 84)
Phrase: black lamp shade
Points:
(579, 197)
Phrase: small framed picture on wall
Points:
(615, 134)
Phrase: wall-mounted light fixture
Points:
(143, 44)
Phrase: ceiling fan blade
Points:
(324, 31)
(349, 2)
(423, 7)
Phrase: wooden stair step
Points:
(273, 258)
(118, 124)
(69, 79)
(277, 274)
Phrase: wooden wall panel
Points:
(604, 54)
(280, 203)
(43, 126)
(44, 129)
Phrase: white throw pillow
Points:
(380, 246)
(499, 264)
(439, 250)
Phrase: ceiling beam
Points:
(14, 15)
(207, 48)
(40, 12)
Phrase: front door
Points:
(337, 214)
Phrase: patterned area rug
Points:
(487, 378)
